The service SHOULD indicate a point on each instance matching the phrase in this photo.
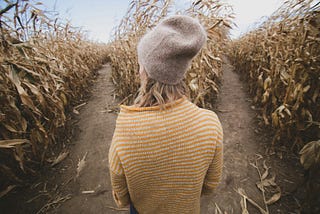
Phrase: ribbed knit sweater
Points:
(161, 160)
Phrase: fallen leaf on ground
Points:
(81, 164)
(7, 190)
(217, 209)
(57, 200)
(12, 143)
(241, 192)
(88, 192)
(310, 154)
(243, 204)
(265, 174)
(60, 158)
(274, 198)
(78, 106)
(266, 183)
(76, 111)
(117, 209)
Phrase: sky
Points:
(99, 17)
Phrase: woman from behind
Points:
(166, 152)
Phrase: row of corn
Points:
(205, 73)
(280, 60)
(44, 68)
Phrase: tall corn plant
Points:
(44, 68)
(280, 60)
(141, 15)
(205, 72)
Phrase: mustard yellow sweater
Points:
(162, 160)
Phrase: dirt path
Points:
(245, 145)
(90, 192)
(240, 144)
(95, 131)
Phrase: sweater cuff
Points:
(121, 201)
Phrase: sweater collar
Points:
(154, 108)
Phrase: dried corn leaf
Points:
(310, 154)
(60, 158)
(12, 143)
(245, 198)
(7, 190)
(81, 165)
(274, 198)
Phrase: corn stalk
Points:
(45, 66)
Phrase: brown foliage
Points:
(44, 67)
(280, 61)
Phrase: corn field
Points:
(280, 60)
(203, 77)
(46, 67)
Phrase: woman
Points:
(166, 151)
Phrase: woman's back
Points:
(166, 155)
(166, 151)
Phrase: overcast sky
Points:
(98, 17)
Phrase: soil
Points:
(247, 144)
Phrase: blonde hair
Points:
(154, 93)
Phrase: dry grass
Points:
(45, 67)
(204, 75)
(280, 61)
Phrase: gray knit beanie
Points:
(167, 50)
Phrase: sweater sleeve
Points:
(214, 172)
(118, 179)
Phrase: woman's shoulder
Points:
(207, 112)
(210, 115)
